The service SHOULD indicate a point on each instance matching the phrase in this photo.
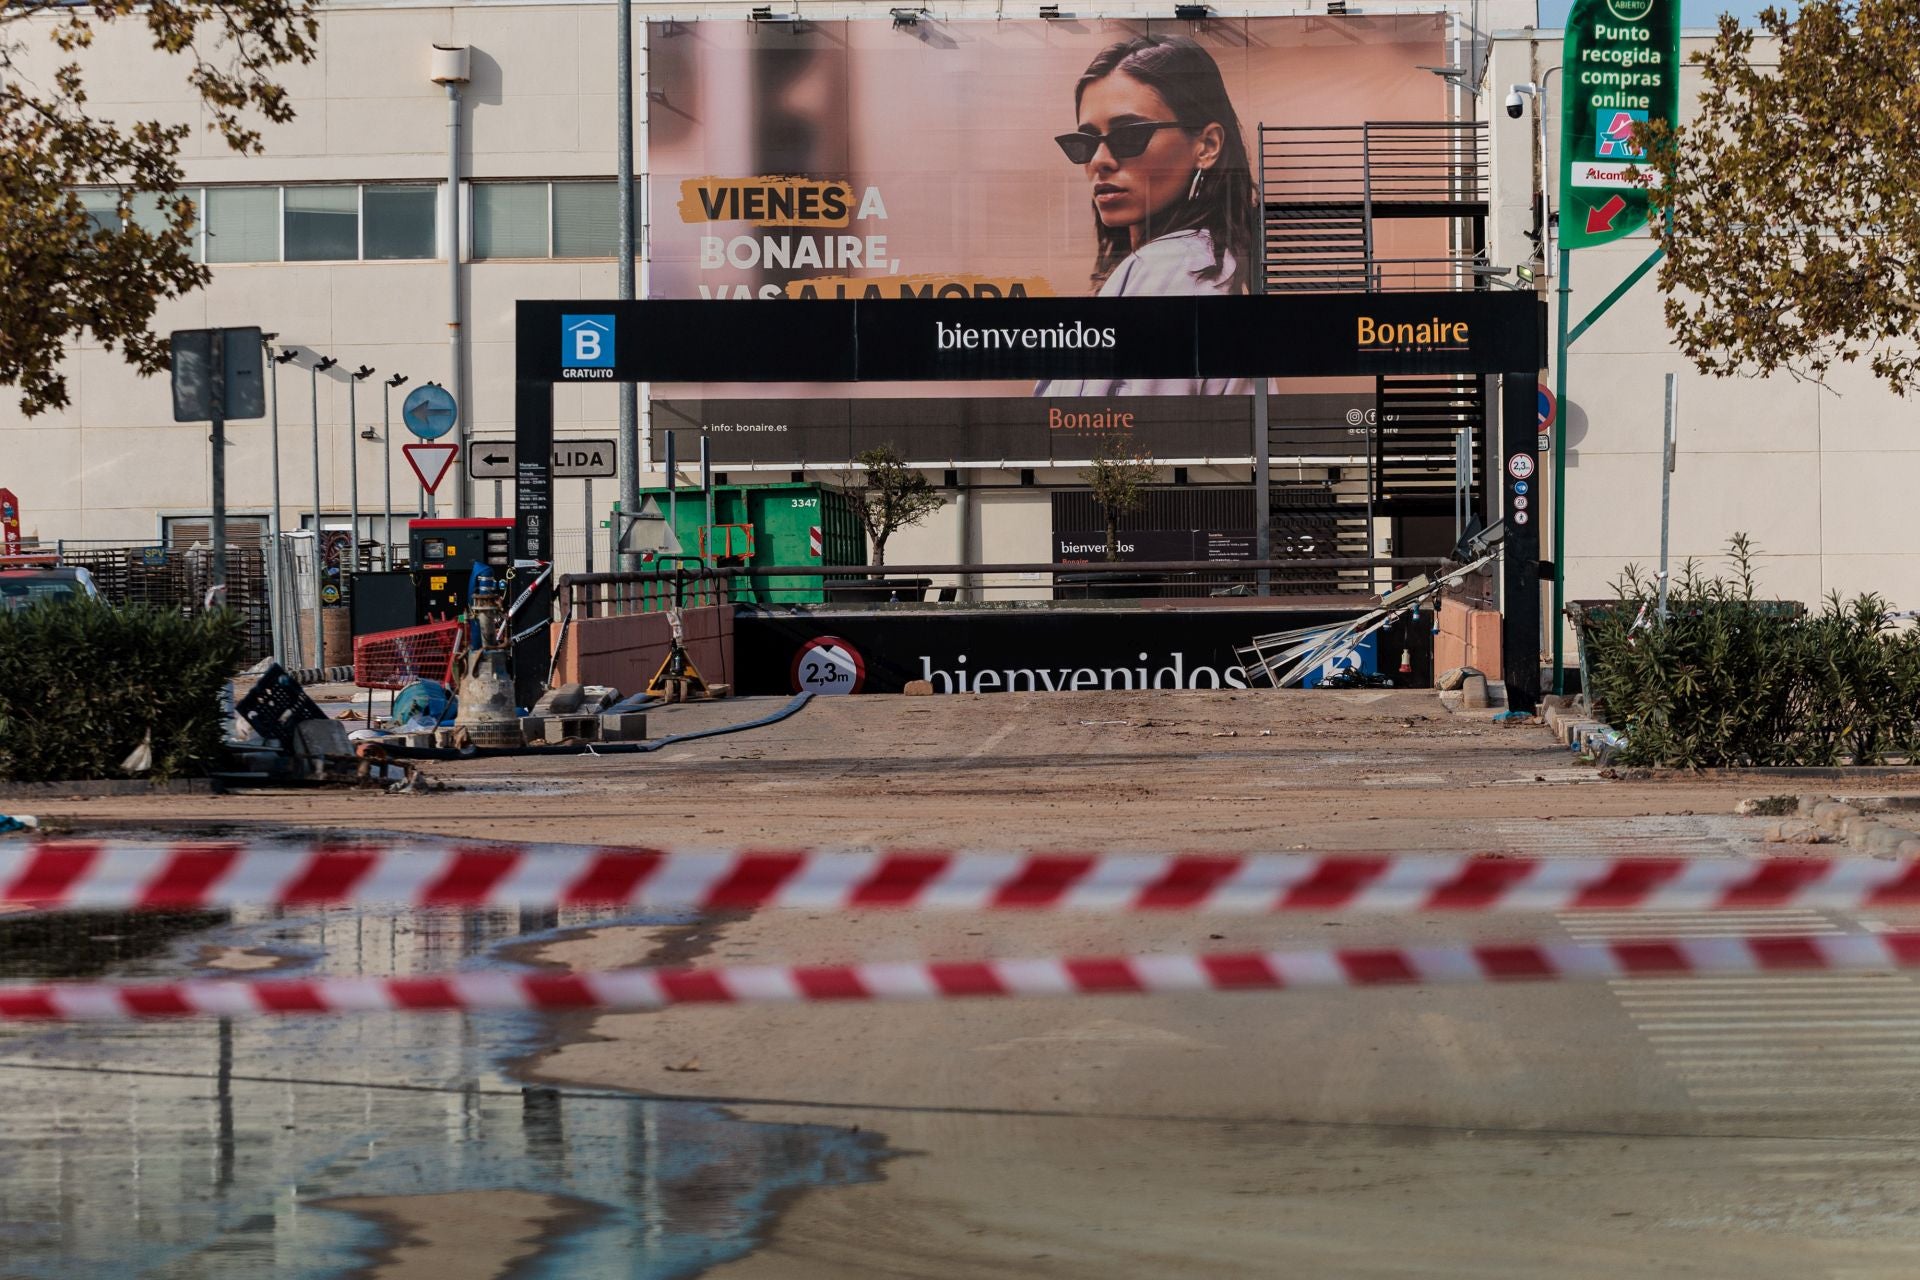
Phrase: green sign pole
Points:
(1559, 616)
(1621, 63)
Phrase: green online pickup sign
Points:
(1621, 66)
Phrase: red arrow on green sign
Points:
(1601, 219)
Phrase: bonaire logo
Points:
(1613, 133)
(586, 346)
(1433, 334)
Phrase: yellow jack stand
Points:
(677, 680)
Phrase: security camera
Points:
(1515, 105)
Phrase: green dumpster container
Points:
(768, 524)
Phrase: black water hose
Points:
(397, 752)
(638, 702)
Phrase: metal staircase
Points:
(1414, 450)
(1309, 522)
(1316, 248)
(1324, 194)
(1325, 189)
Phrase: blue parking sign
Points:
(586, 342)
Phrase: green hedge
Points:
(82, 683)
(1731, 680)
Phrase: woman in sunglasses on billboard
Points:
(1173, 206)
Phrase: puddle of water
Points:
(200, 1149)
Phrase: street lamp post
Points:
(386, 452)
(276, 585)
(354, 380)
(627, 448)
(320, 365)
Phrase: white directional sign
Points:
(572, 459)
(490, 459)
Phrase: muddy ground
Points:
(1458, 1131)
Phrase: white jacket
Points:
(1167, 267)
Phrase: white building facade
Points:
(1820, 477)
(336, 239)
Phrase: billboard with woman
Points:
(801, 160)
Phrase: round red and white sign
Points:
(1520, 466)
(828, 665)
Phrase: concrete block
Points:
(420, 740)
(1573, 732)
(628, 726)
(1473, 694)
(533, 729)
(1856, 829)
(564, 700)
(561, 728)
(1559, 716)
(1882, 841)
(1831, 814)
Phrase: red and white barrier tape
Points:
(1087, 975)
(58, 875)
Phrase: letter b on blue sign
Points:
(586, 342)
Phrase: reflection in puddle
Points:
(204, 1149)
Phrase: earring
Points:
(1193, 188)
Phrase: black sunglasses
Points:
(1124, 143)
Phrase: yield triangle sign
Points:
(430, 461)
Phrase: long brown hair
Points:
(1188, 80)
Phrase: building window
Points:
(335, 223)
(322, 224)
(243, 224)
(398, 222)
(103, 209)
(586, 219)
(149, 210)
(510, 219)
(547, 219)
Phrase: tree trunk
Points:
(879, 552)
(1113, 537)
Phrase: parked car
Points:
(29, 580)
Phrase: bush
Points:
(82, 684)
(1731, 680)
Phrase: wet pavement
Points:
(212, 1149)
